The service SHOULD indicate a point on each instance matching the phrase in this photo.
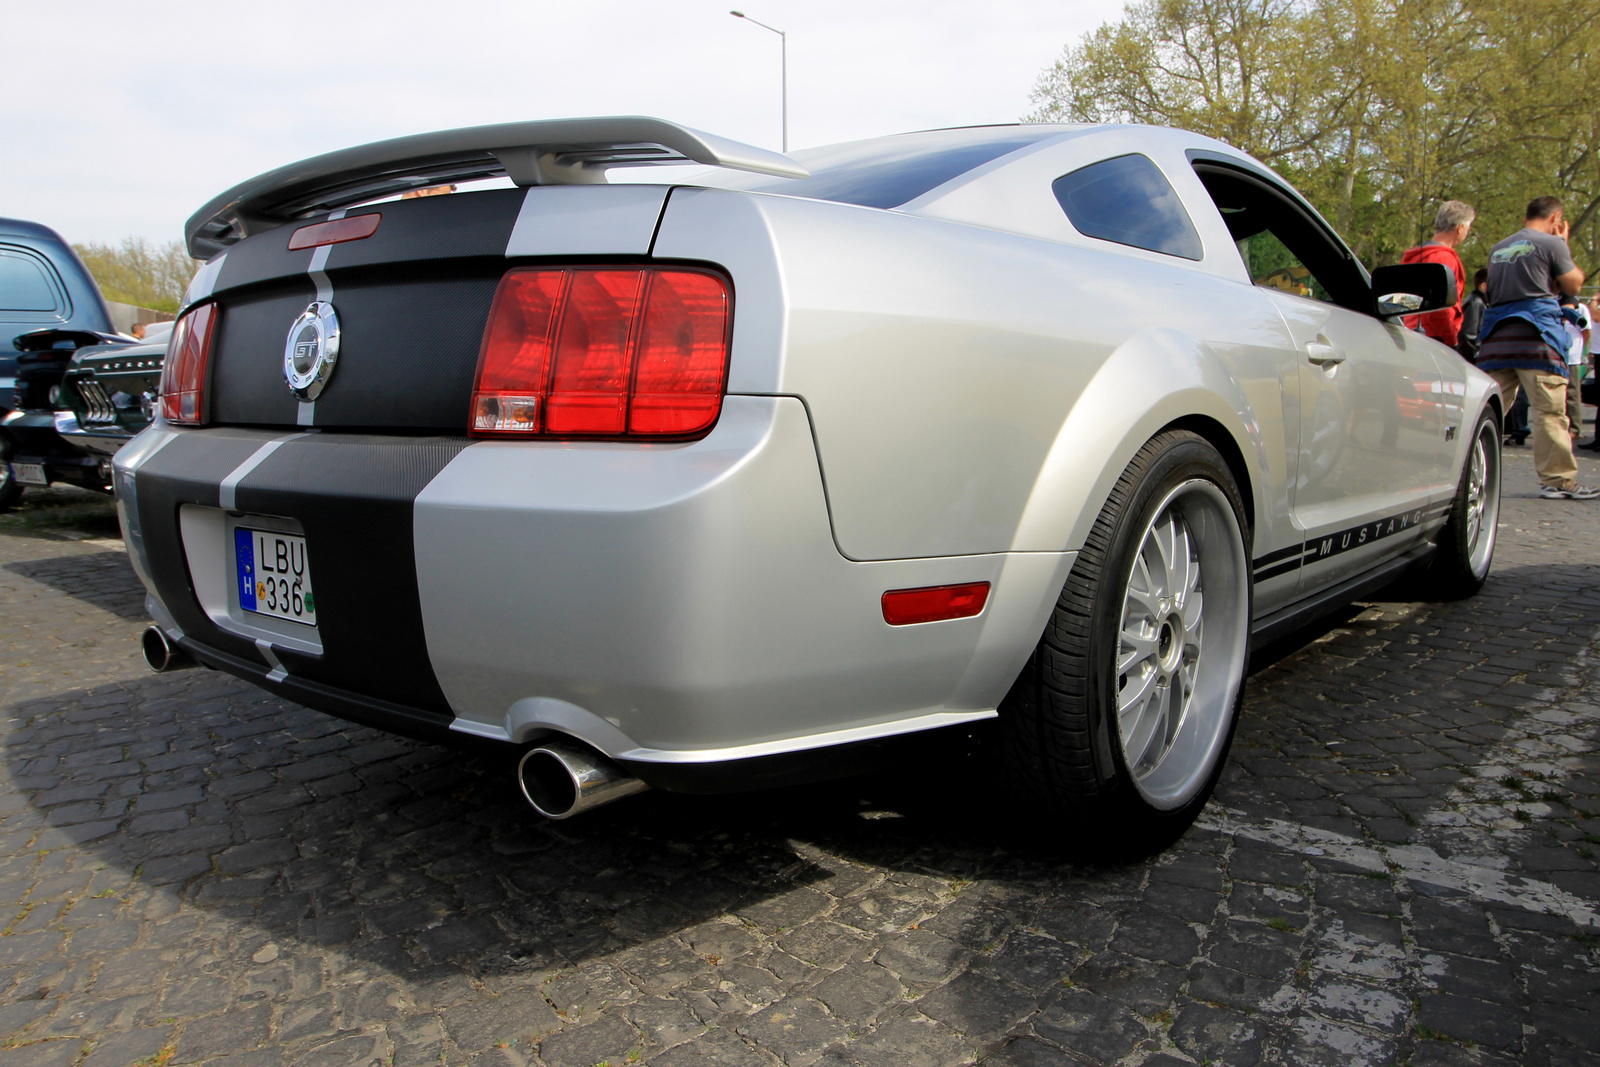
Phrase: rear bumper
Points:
(675, 604)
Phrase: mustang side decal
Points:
(1285, 560)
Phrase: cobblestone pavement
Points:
(1399, 866)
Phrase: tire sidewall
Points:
(1186, 458)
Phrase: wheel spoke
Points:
(1147, 726)
(1136, 691)
(1137, 648)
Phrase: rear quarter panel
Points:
(973, 390)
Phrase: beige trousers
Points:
(1552, 436)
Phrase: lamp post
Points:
(785, 37)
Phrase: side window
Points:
(1282, 246)
(1128, 200)
(26, 283)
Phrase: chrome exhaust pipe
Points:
(563, 778)
(160, 654)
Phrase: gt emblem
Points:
(311, 350)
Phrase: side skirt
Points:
(1301, 613)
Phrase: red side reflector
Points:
(604, 352)
(183, 373)
(335, 231)
(901, 607)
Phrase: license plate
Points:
(274, 577)
(31, 473)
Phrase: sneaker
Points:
(1571, 492)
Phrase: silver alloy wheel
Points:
(1182, 642)
(1483, 498)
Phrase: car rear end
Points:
(522, 498)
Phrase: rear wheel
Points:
(1466, 544)
(1119, 723)
(10, 488)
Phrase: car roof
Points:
(24, 228)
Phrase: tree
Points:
(139, 272)
(1378, 110)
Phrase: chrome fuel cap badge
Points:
(311, 350)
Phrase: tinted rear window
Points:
(24, 285)
(1128, 200)
(890, 171)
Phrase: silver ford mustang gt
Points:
(742, 478)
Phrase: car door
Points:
(1371, 394)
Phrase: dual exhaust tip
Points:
(560, 779)
(563, 778)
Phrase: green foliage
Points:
(140, 273)
(1377, 110)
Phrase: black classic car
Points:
(108, 392)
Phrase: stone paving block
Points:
(611, 1040)
(796, 1029)
(981, 1008)
(60, 1053)
(1466, 1019)
(1144, 986)
(235, 1031)
(1217, 1035)
(1090, 1025)
(128, 1048)
(909, 1040)
(859, 993)
(523, 1016)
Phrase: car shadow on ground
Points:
(103, 579)
(282, 833)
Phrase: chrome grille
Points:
(98, 404)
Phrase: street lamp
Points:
(785, 36)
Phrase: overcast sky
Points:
(121, 119)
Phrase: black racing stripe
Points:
(1283, 568)
(1283, 553)
(420, 723)
(426, 228)
(460, 226)
(408, 349)
(353, 495)
(189, 470)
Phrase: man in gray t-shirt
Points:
(1524, 344)
(1526, 265)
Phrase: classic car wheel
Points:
(1120, 721)
(10, 488)
(1466, 544)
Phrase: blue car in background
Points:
(44, 286)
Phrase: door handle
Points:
(1324, 355)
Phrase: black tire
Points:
(1466, 548)
(1060, 735)
(10, 488)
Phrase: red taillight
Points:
(901, 607)
(335, 231)
(603, 351)
(183, 374)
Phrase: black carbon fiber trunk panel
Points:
(353, 496)
(412, 302)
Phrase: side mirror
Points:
(1409, 288)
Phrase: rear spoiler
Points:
(550, 152)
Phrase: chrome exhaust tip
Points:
(160, 654)
(562, 779)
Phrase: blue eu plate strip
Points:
(245, 555)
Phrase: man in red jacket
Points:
(1451, 226)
